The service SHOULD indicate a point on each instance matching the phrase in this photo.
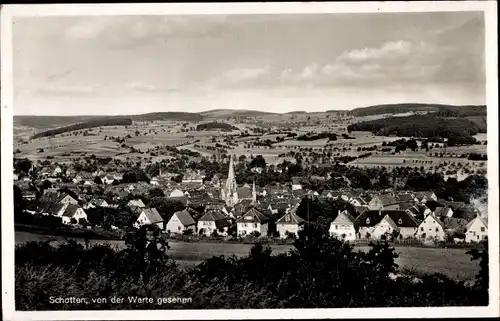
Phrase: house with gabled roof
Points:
(443, 211)
(424, 197)
(136, 203)
(181, 221)
(406, 198)
(431, 228)
(150, 216)
(476, 230)
(290, 223)
(296, 184)
(343, 226)
(75, 212)
(376, 224)
(177, 193)
(383, 202)
(252, 221)
(213, 220)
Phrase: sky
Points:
(105, 65)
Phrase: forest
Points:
(112, 121)
(456, 129)
(439, 109)
(216, 126)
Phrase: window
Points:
(400, 221)
(422, 229)
(255, 225)
(336, 227)
(437, 229)
(367, 221)
(482, 229)
(245, 225)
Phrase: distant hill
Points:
(224, 113)
(441, 110)
(429, 125)
(216, 126)
(297, 112)
(108, 121)
(42, 122)
(172, 116)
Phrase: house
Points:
(289, 223)
(476, 230)
(193, 177)
(379, 224)
(177, 193)
(150, 216)
(431, 228)
(296, 184)
(383, 202)
(56, 171)
(97, 202)
(424, 197)
(406, 198)
(67, 199)
(108, 179)
(213, 220)
(343, 227)
(252, 221)
(181, 221)
(453, 225)
(75, 212)
(357, 201)
(443, 212)
(136, 203)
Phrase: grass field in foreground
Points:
(451, 262)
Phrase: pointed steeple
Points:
(231, 189)
(230, 175)
(254, 194)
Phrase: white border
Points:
(490, 9)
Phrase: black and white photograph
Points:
(308, 161)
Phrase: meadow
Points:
(453, 263)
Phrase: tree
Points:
(73, 220)
(258, 161)
(97, 180)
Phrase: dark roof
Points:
(405, 198)
(252, 216)
(185, 218)
(213, 215)
(70, 210)
(244, 193)
(387, 199)
(440, 211)
(360, 209)
(290, 218)
(401, 218)
(153, 215)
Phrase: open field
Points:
(451, 262)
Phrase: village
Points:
(222, 209)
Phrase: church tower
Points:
(230, 192)
(254, 195)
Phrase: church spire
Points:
(254, 194)
(231, 189)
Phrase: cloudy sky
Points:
(314, 62)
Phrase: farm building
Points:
(343, 227)
(252, 221)
(181, 221)
(289, 223)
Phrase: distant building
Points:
(377, 224)
(136, 203)
(73, 212)
(296, 184)
(383, 202)
(213, 220)
(431, 228)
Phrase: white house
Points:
(108, 179)
(376, 224)
(477, 230)
(213, 220)
(150, 216)
(181, 221)
(252, 221)
(431, 228)
(343, 227)
(73, 212)
(289, 223)
(424, 197)
(57, 171)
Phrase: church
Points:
(229, 192)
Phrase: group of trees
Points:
(322, 135)
(457, 130)
(216, 126)
(319, 272)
